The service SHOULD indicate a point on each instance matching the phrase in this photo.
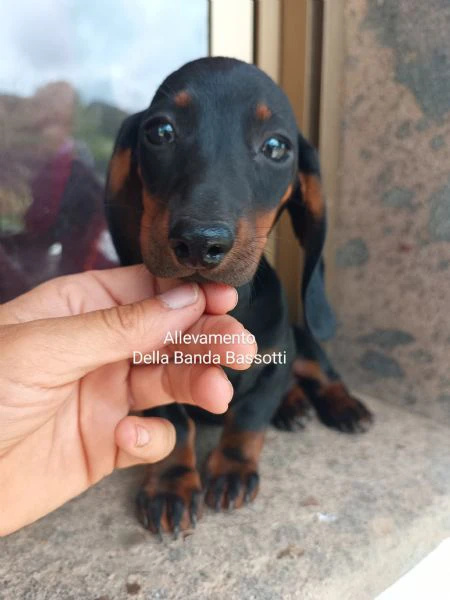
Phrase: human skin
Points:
(67, 384)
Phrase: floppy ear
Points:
(123, 196)
(307, 211)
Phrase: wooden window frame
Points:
(300, 44)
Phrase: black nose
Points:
(197, 245)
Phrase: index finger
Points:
(133, 284)
(96, 290)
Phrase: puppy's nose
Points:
(200, 245)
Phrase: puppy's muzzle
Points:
(200, 246)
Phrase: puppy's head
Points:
(206, 170)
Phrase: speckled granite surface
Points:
(392, 276)
(338, 518)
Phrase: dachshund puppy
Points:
(195, 185)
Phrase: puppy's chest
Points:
(262, 308)
(263, 311)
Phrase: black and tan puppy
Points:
(196, 183)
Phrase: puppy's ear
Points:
(308, 214)
(123, 196)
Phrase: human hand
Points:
(67, 384)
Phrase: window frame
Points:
(300, 44)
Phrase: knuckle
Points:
(122, 320)
(69, 289)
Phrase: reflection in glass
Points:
(70, 73)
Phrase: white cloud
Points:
(114, 50)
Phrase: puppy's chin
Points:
(234, 277)
(236, 270)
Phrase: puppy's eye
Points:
(160, 133)
(276, 149)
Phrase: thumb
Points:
(66, 348)
(143, 440)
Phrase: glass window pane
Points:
(71, 71)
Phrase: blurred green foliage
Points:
(34, 128)
(97, 125)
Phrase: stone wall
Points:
(392, 233)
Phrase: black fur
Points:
(216, 172)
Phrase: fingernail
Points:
(224, 375)
(237, 297)
(180, 297)
(142, 436)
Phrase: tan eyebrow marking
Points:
(183, 99)
(263, 112)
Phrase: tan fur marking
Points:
(310, 369)
(249, 445)
(312, 194)
(119, 170)
(183, 486)
(263, 112)
(250, 442)
(154, 221)
(265, 220)
(183, 99)
(286, 196)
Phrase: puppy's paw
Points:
(294, 411)
(338, 409)
(230, 481)
(170, 501)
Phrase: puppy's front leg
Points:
(170, 497)
(231, 472)
(315, 380)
